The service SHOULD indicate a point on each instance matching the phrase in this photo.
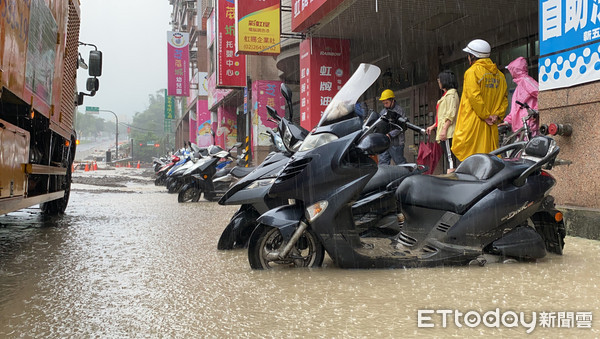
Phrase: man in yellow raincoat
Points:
(482, 106)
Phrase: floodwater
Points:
(132, 262)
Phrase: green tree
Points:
(148, 128)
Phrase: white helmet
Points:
(479, 48)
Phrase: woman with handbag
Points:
(447, 109)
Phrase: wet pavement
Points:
(128, 260)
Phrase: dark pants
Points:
(394, 152)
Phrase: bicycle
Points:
(522, 134)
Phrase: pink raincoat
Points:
(526, 92)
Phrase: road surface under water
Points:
(132, 262)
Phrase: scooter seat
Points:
(221, 173)
(384, 175)
(481, 166)
(240, 172)
(457, 192)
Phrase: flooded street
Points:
(133, 262)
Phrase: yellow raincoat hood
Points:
(484, 94)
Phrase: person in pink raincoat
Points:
(526, 92)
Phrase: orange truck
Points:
(39, 59)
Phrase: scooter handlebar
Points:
(405, 124)
(415, 128)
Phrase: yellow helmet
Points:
(387, 94)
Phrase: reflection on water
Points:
(143, 265)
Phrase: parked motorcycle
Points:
(251, 192)
(489, 208)
(161, 174)
(375, 212)
(210, 178)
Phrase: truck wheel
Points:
(58, 206)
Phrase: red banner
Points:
(231, 68)
(306, 13)
(178, 64)
(322, 73)
(258, 27)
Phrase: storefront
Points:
(412, 41)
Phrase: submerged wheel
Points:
(189, 192)
(307, 252)
(238, 231)
(160, 181)
(174, 186)
(168, 181)
(58, 206)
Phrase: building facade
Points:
(412, 41)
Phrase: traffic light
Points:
(141, 144)
(156, 145)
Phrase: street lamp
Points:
(116, 133)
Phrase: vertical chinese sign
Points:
(265, 93)
(258, 27)
(569, 42)
(231, 68)
(178, 64)
(324, 69)
(169, 111)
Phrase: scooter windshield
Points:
(343, 102)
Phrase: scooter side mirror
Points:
(375, 143)
(287, 94)
(273, 113)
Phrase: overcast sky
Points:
(132, 37)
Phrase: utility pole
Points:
(116, 133)
(96, 110)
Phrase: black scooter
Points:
(375, 212)
(490, 208)
(251, 191)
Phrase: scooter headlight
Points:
(260, 183)
(279, 143)
(315, 210)
(287, 137)
(313, 141)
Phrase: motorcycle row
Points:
(193, 171)
(322, 192)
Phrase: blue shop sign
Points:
(569, 42)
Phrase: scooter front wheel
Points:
(266, 241)
(189, 192)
